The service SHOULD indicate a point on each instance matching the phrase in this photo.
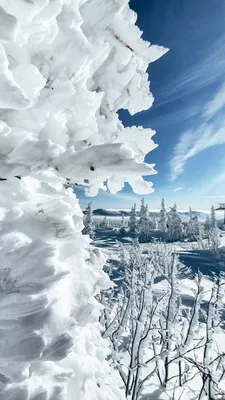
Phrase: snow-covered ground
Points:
(206, 261)
(110, 241)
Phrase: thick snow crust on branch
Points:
(66, 68)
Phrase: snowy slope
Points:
(66, 68)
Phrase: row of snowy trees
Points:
(156, 340)
(141, 225)
(170, 224)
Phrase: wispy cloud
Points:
(218, 181)
(210, 133)
(209, 68)
(178, 189)
(216, 104)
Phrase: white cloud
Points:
(216, 104)
(209, 68)
(205, 71)
(178, 189)
(207, 135)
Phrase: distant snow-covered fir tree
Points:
(133, 223)
(190, 229)
(213, 218)
(88, 222)
(162, 224)
(214, 233)
(104, 223)
(196, 226)
(193, 228)
(207, 226)
(143, 223)
(142, 214)
(122, 229)
(153, 222)
(214, 239)
(175, 230)
(211, 232)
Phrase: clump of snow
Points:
(66, 68)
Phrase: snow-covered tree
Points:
(153, 222)
(214, 239)
(88, 222)
(142, 214)
(143, 223)
(66, 68)
(213, 218)
(211, 232)
(162, 224)
(196, 226)
(156, 339)
(104, 222)
(190, 228)
(132, 222)
(122, 229)
(175, 225)
(207, 226)
(193, 228)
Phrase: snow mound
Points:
(66, 68)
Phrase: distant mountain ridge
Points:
(102, 212)
(110, 213)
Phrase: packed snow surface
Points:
(66, 68)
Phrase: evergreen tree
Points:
(144, 223)
(193, 229)
(142, 214)
(213, 218)
(122, 229)
(162, 225)
(175, 225)
(133, 225)
(196, 226)
(190, 224)
(153, 223)
(207, 226)
(104, 223)
(211, 232)
(88, 222)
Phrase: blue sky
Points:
(188, 114)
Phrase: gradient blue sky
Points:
(188, 114)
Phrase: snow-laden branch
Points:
(66, 68)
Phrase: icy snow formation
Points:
(66, 68)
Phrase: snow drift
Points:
(66, 68)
